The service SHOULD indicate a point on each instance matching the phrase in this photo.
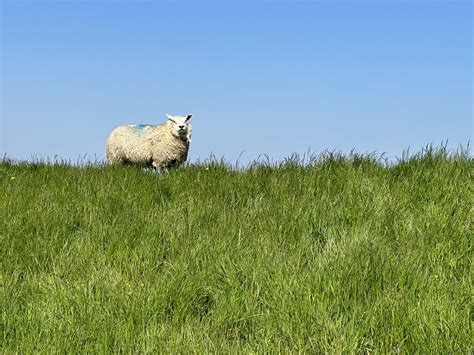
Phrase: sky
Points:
(260, 77)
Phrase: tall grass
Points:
(339, 253)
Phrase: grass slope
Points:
(345, 253)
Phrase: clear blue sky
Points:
(272, 77)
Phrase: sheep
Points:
(151, 146)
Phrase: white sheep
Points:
(159, 146)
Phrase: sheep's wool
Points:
(147, 145)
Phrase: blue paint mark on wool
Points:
(140, 127)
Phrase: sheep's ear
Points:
(171, 118)
(188, 117)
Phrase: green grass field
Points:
(339, 254)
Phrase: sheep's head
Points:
(179, 124)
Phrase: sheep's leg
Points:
(149, 169)
(155, 165)
(159, 167)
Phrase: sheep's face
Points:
(179, 124)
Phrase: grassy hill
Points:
(343, 253)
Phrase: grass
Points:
(344, 253)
